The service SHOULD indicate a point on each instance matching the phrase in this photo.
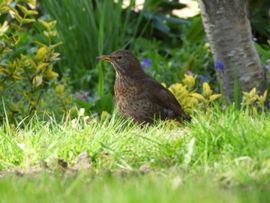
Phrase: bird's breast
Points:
(126, 91)
(129, 97)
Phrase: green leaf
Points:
(37, 81)
(50, 74)
(42, 66)
(3, 28)
(214, 97)
(26, 11)
(48, 25)
(28, 20)
(41, 53)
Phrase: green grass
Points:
(150, 188)
(222, 156)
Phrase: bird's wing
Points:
(163, 97)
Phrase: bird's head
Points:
(124, 63)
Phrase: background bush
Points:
(91, 29)
(27, 58)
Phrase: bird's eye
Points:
(119, 58)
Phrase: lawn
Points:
(221, 156)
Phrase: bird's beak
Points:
(105, 58)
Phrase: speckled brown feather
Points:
(140, 97)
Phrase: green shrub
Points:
(27, 58)
(253, 102)
(191, 99)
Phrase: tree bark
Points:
(229, 32)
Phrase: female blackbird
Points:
(138, 96)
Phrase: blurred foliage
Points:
(254, 102)
(91, 29)
(260, 20)
(169, 65)
(264, 52)
(27, 58)
(190, 96)
(159, 23)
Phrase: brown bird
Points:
(138, 96)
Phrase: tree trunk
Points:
(229, 32)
